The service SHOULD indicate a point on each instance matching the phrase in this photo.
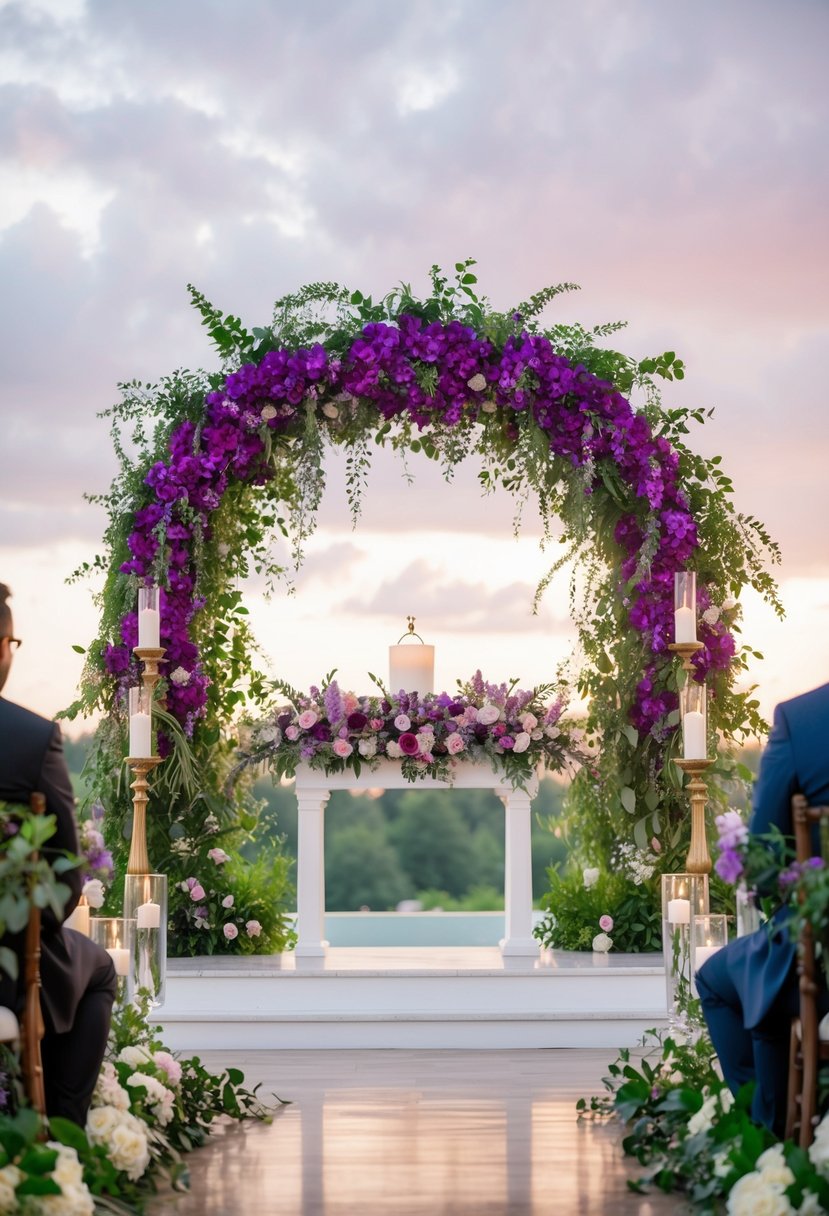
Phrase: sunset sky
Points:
(671, 159)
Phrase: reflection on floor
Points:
(416, 1133)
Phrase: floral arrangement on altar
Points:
(148, 1109)
(513, 729)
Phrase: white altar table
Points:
(313, 789)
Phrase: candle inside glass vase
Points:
(685, 606)
(694, 707)
(411, 664)
(149, 618)
(140, 723)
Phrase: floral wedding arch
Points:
(213, 466)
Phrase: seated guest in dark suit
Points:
(749, 990)
(77, 976)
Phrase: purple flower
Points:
(356, 721)
(729, 865)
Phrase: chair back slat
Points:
(32, 1021)
(805, 817)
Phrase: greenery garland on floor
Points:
(213, 466)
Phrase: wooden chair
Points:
(29, 1033)
(808, 1050)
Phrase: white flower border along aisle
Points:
(148, 1110)
(224, 461)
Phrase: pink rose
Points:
(342, 748)
(230, 931)
(227, 902)
(197, 893)
(375, 723)
(499, 729)
(350, 702)
(219, 856)
(168, 1064)
(455, 744)
(307, 719)
(253, 928)
(292, 733)
(522, 742)
(606, 923)
(409, 744)
(403, 722)
(488, 714)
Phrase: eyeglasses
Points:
(14, 643)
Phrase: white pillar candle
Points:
(149, 628)
(121, 959)
(78, 920)
(694, 743)
(679, 911)
(703, 953)
(685, 625)
(148, 916)
(140, 736)
(412, 668)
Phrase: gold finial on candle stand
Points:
(698, 860)
(139, 861)
(686, 651)
(150, 656)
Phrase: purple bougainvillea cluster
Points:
(435, 375)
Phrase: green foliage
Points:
(691, 1136)
(574, 909)
(27, 877)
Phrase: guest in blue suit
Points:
(749, 990)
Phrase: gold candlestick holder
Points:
(686, 651)
(139, 861)
(150, 656)
(698, 860)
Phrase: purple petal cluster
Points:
(434, 374)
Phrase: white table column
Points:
(518, 875)
(310, 873)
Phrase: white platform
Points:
(430, 997)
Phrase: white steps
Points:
(432, 997)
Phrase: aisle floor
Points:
(416, 1133)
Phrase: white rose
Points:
(590, 876)
(488, 714)
(751, 1196)
(128, 1149)
(367, 748)
(602, 943)
(811, 1205)
(819, 1148)
(711, 615)
(522, 742)
(68, 1171)
(93, 892)
(538, 734)
(477, 383)
(703, 1119)
(180, 676)
(773, 1168)
(134, 1056)
(10, 1177)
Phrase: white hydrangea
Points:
(711, 615)
(477, 383)
(393, 750)
(160, 1099)
(489, 406)
(267, 412)
(108, 1089)
(590, 876)
(180, 676)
